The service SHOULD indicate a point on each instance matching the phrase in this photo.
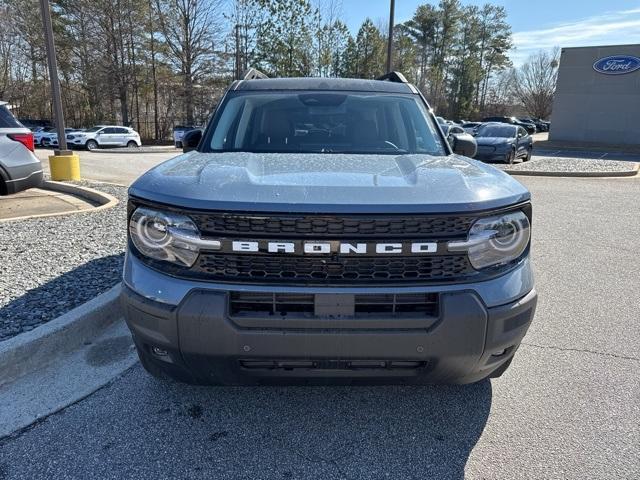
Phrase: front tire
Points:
(91, 145)
(528, 157)
(510, 157)
(497, 373)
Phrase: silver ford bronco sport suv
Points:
(325, 230)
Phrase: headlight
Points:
(167, 236)
(495, 240)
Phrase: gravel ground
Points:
(52, 265)
(569, 165)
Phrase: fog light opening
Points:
(500, 353)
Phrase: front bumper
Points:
(496, 155)
(77, 142)
(466, 341)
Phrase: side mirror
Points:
(463, 146)
(191, 139)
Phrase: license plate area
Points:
(322, 305)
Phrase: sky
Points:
(537, 24)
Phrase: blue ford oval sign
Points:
(617, 64)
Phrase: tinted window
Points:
(121, 130)
(502, 131)
(7, 120)
(323, 122)
(93, 129)
(109, 130)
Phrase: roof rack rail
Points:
(395, 77)
(253, 74)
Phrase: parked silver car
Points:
(19, 167)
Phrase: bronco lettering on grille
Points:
(306, 247)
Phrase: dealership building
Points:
(597, 97)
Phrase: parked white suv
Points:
(102, 136)
(42, 133)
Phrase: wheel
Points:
(528, 157)
(163, 370)
(91, 145)
(132, 144)
(178, 144)
(511, 156)
(501, 369)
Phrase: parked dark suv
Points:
(325, 231)
(528, 126)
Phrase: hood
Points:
(494, 140)
(328, 183)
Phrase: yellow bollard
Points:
(64, 167)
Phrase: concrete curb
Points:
(104, 200)
(542, 173)
(32, 351)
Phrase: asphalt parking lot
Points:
(568, 407)
(112, 166)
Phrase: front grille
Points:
(299, 269)
(303, 304)
(318, 271)
(334, 227)
(485, 149)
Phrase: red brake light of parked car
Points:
(24, 138)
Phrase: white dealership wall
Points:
(589, 106)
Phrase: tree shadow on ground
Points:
(59, 295)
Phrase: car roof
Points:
(3, 103)
(337, 84)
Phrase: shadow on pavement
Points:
(140, 427)
(59, 295)
(356, 432)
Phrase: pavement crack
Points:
(316, 458)
(580, 350)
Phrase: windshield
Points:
(94, 129)
(501, 131)
(325, 122)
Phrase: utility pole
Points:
(64, 164)
(238, 66)
(392, 7)
(53, 75)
